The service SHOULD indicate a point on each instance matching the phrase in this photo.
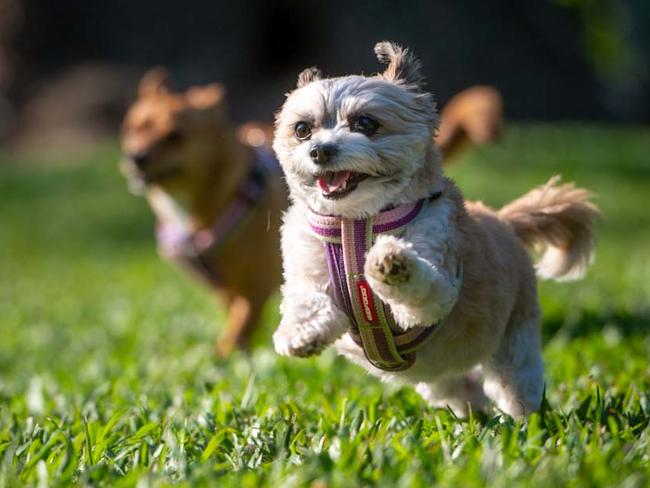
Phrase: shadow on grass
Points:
(589, 322)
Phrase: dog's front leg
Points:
(310, 322)
(419, 291)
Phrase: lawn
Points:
(106, 374)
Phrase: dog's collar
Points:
(194, 248)
(346, 242)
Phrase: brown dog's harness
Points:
(346, 242)
(194, 250)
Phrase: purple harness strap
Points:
(192, 250)
(346, 243)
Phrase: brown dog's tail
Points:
(558, 218)
(472, 117)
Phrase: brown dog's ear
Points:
(402, 64)
(154, 82)
(308, 75)
(206, 96)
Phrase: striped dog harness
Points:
(346, 243)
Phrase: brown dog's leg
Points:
(243, 314)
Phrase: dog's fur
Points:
(194, 164)
(489, 342)
(195, 161)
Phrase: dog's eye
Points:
(302, 130)
(365, 125)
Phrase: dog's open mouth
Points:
(337, 184)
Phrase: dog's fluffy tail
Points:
(559, 219)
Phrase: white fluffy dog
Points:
(381, 251)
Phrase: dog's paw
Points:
(388, 262)
(390, 268)
(295, 341)
(310, 323)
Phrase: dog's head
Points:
(168, 138)
(353, 145)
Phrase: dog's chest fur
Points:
(171, 210)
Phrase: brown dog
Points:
(218, 198)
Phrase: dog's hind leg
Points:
(459, 392)
(243, 314)
(514, 378)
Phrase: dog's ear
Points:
(154, 82)
(402, 64)
(405, 69)
(308, 75)
(206, 96)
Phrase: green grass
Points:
(106, 376)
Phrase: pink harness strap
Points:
(193, 250)
(346, 243)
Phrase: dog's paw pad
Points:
(391, 269)
(307, 349)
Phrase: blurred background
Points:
(68, 69)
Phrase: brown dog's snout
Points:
(322, 153)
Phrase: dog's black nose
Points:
(322, 153)
(140, 160)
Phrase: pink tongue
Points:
(332, 181)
